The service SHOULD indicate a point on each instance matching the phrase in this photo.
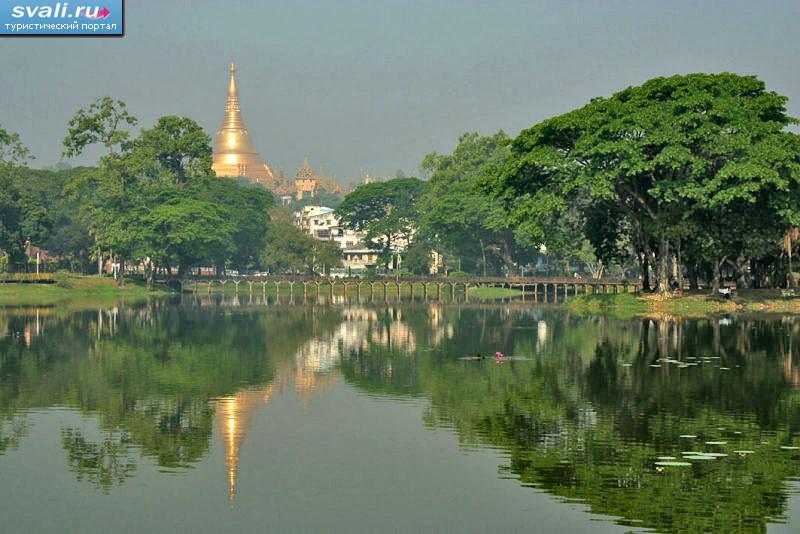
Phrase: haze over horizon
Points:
(359, 85)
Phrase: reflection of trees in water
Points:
(579, 424)
(12, 430)
(103, 464)
(147, 373)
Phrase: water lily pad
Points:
(744, 452)
(663, 458)
(699, 458)
(673, 464)
(789, 448)
(716, 442)
(688, 436)
(715, 454)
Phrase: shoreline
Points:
(77, 290)
(73, 291)
(694, 304)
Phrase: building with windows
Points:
(321, 222)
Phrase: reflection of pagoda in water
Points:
(234, 415)
(313, 368)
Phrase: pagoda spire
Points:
(234, 153)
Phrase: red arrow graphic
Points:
(102, 14)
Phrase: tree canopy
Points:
(654, 164)
(387, 212)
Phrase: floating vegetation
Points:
(699, 457)
(655, 365)
(716, 442)
(664, 458)
(715, 454)
(744, 453)
(790, 448)
(687, 436)
(692, 453)
(673, 464)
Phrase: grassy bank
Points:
(688, 305)
(73, 289)
(489, 293)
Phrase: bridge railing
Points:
(472, 280)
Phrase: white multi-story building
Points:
(322, 223)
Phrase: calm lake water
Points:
(234, 414)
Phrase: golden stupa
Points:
(234, 154)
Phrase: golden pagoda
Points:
(234, 154)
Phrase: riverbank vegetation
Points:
(683, 182)
(692, 304)
(152, 202)
(72, 290)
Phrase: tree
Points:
(289, 249)
(102, 122)
(183, 230)
(177, 149)
(247, 208)
(387, 212)
(12, 151)
(458, 214)
(13, 155)
(660, 153)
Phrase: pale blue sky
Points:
(378, 84)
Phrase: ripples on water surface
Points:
(208, 415)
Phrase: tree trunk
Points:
(483, 255)
(717, 275)
(150, 268)
(742, 278)
(693, 277)
(121, 279)
(644, 268)
(663, 266)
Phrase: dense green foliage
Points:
(289, 249)
(387, 212)
(152, 201)
(694, 170)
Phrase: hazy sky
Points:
(377, 84)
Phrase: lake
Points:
(226, 413)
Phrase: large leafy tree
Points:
(13, 155)
(388, 213)
(183, 230)
(659, 154)
(176, 150)
(247, 208)
(157, 199)
(103, 122)
(458, 214)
